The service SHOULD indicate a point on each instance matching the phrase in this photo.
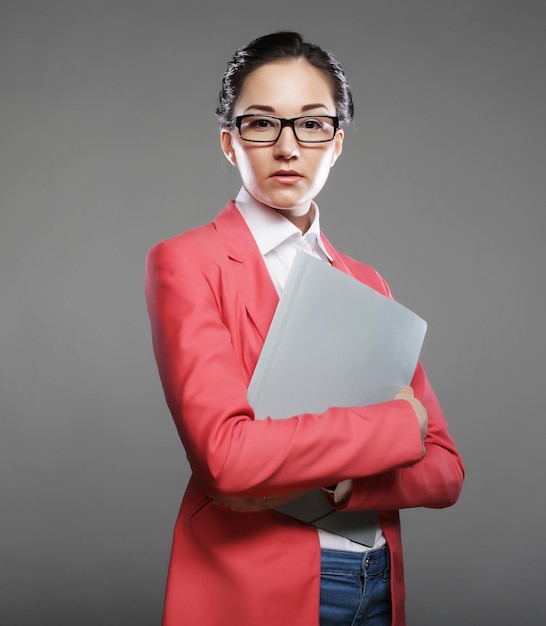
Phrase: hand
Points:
(341, 492)
(254, 505)
(406, 393)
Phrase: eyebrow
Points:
(269, 109)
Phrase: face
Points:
(285, 175)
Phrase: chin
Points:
(289, 202)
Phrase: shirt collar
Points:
(270, 229)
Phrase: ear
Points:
(226, 141)
(338, 145)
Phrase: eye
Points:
(316, 124)
(311, 123)
(259, 123)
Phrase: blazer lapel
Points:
(255, 284)
(337, 261)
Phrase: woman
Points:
(211, 295)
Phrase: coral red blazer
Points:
(210, 301)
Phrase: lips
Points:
(287, 177)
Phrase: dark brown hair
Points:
(275, 47)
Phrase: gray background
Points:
(108, 144)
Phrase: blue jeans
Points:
(355, 588)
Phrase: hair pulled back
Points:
(279, 46)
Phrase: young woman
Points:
(211, 295)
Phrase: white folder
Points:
(333, 341)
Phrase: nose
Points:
(287, 146)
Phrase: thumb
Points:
(403, 393)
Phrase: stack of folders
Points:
(333, 341)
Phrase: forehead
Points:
(292, 83)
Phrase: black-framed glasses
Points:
(260, 128)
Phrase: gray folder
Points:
(333, 341)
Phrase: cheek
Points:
(325, 165)
(247, 164)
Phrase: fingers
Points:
(253, 505)
(245, 505)
(404, 393)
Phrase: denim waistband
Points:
(368, 563)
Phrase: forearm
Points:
(435, 481)
(242, 457)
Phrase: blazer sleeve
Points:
(199, 363)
